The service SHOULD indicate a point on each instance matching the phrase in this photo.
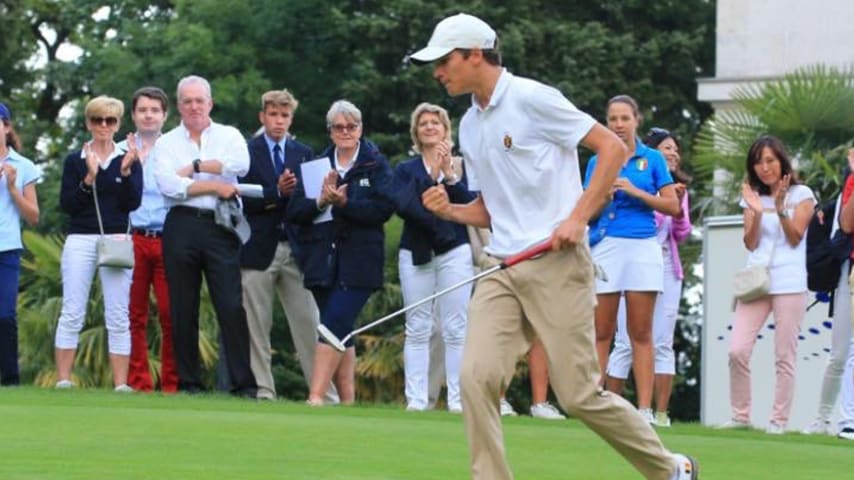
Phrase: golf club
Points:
(338, 344)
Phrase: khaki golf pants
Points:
(551, 297)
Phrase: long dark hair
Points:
(12, 138)
(653, 139)
(754, 154)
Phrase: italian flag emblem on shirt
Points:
(642, 164)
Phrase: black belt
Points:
(196, 212)
(147, 233)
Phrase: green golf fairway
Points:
(48, 434)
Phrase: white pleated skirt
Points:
(630, 265)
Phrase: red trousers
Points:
(147, 271)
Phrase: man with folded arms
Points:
(197, 163)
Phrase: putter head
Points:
(330, 338)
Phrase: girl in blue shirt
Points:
(18, 201)
(624, 244)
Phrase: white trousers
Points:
(663, 324)
(841, 360)
(417, 283)
(78, 264)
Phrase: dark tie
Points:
(277, 160)
(280, 168)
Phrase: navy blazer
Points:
(348, 251)
(425, 234)
(266, 215)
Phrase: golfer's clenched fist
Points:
(569, 233)
(436, 201)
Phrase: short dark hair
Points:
(754, 154)
(154, 93)
(491, 55)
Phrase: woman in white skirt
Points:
(623, 240)
(670, 231)
(434, 254)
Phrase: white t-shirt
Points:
(788, 267)
(520, 153)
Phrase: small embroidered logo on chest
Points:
(641, 164)
(118, 179)
(508, 141)
(365, 182)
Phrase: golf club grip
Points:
(538, 249)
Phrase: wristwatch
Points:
(196, 165)
(783, 213)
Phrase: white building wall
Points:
(758, 40)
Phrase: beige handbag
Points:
(112, 252)
(753, 282)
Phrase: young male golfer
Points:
(519, 142)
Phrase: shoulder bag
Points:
(112, 252)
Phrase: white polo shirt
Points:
(520, 152)
(175, 149)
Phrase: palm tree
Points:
(810, 109)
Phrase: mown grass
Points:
(47, 434)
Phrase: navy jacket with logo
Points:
(349, 250)
(425, 234)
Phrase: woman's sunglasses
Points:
(108, 121)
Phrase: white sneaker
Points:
(646, 413)
(819, 426)
(455, 409)
(123, 388)
(546, 410)
(734, 425)
(662, 419)
(774, 429)
(846, 433)
(687, 467)
(64, 384)
(507, 409)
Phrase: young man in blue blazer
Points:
(267, 261)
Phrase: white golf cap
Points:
(458, 31)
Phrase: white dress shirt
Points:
(176, 149)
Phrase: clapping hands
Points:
(751, 198)
(131, 156)
(92, 164)
(287, 182)
(781, 191)
(331, 193)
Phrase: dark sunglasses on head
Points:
(109, 121)
(659, 132)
